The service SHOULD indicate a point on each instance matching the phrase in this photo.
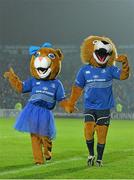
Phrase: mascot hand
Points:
(125, 66)
(122, 58)
(13, 80)
(9, 74)
(68, 106)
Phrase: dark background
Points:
(64, 23)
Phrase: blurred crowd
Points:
(19, 60)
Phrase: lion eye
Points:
(95, 41)
(51, 56)
(37, 54)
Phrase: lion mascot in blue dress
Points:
(45, 90)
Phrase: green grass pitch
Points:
(69, 153)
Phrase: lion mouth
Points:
(102, 54)
(42, 70)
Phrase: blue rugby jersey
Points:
(44, 93)
(97, 84)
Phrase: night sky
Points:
(28, 22)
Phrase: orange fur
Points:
(89, 129)
(37, 142)
(87, 49)
(47, 144)
(70, 103)
(55, 65)
(37, 148)
(14, 80)
(125, 66)
(101, 133)
(75, 94)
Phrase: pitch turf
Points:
(69, 153)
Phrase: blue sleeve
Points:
(60, 93)
(80, 79)
(115, 72)
(27, 86)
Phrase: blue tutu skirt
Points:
(36, 119)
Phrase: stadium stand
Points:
(18, 58)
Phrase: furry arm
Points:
(75, 94)
(125, 66)
(14, 80)
(69, 105)
(64, 104)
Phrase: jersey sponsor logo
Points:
(44, 92)
(53, 85)
(95, 80)
(45, 88)
(50, 93)
(38, 83)
(103, 71)
(95, 76)
(87, 72)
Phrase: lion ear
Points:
(60, 54)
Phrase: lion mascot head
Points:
(98, 51)
(45, 62)
(45, 65)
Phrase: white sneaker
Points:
(90, 160)
(99, 163)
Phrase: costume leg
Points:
(101, 136)
(89, 136)
(47, 144)
(37, 148)
(89, 129)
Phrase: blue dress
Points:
(37, 117)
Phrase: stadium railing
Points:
(8, 113)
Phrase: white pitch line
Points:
(120, 150)
(39, 167)
(126, 150)
(7, 137)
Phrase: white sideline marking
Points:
(121, 150)
(126, 150)
(39, 167)
(13, 136)
(53, 163)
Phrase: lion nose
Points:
(40, 58)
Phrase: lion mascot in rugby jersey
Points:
(94, 80)
(36, 118)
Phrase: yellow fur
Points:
(87, 49)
